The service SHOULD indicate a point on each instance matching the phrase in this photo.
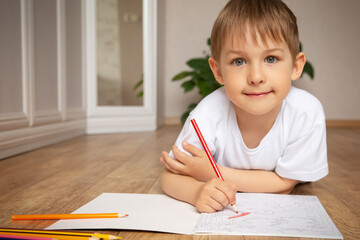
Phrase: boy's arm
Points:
(245, 180)
(211, 196)
(184, 188)
(258, 181)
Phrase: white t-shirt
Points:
(294, 148)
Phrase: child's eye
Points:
(271, 59)
(238, 62)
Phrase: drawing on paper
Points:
(271, 215)
(240, 215)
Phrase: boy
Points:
(265, 135)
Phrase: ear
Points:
(215, 68)
(298, 66)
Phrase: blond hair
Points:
(268, 18)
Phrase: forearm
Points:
(257, 180)
(181, 187)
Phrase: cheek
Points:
(282, 84)
(233, 78)
(285, 89)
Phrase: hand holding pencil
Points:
(218, 185)
(215, 195)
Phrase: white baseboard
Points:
(25, 139)
(13, 121)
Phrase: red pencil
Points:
(209, 155)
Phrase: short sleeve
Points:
(189, 135)
(305, 159)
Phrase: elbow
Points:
(165, 181)
(287, 191)
(288, 185)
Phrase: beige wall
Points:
(328, 29)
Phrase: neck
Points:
(255, 127)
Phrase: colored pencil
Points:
(67, 216)
(60, 234)
(5, 236)
(209, 155)
(56, 236)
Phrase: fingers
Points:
(230, 190)
(181, 156)
(227, 190)
(171, 164)
(184, 157)
(215, 195)
(210, 207)
(192, 149)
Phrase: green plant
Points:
(308, 68)
(138, 85)
(201, 76)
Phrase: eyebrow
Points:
(266, 51)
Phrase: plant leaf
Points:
(188, 85)
(207, 75)
(182, 75)
(205, 87)
(185, 115)
(192, 106)
(308, 68)
(200, 64)
(138, 84)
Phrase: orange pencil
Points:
(67, 216)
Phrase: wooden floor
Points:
(63, 177)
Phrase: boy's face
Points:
(257, 76)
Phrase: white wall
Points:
(328, 29)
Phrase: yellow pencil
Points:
(62, 234)
(59, 237)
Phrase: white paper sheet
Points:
(270, 215)
(151, 212)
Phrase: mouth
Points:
(257, 94)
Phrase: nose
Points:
(256, 75)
